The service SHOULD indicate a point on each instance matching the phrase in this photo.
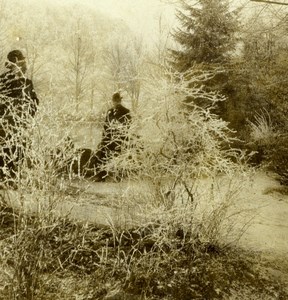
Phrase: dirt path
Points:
(266, 210)
(268, 230)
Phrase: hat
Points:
(15, 55)
(116, 97)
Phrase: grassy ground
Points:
(60, 259)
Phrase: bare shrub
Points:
(36, 176)
(185, 155)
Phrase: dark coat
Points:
(115, 133)
(18, 101)
(116, 124)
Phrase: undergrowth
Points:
(65, 259)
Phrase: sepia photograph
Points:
(143, 149)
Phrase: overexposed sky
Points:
(141, 15)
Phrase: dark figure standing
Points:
(18, 103)
(116, 124)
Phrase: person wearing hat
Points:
(116, 124)
(18, 103)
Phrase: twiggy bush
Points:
(35, 178)
(193, 177)
(182, 143)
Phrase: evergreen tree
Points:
(207, 34)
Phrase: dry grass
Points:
(158, 261)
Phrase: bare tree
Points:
(124, 60)
(80, 58)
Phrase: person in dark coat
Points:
(116, 125)
(18, 103)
